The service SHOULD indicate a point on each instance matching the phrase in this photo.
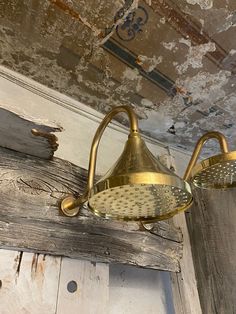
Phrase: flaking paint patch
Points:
(147, 103)
(195, 56)
(204, 4)
(229, 103)
(228, 22)
(99, 89)
(205, 86)
(215, 21)
(186, 42)
(232, 52)
(170, 46)
(163, 20)
(202, 25)
(149, 64)
(172, 118)
(132, 75)
(75, 82)
(156, 123)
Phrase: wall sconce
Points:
(216, 172)
(138, 187)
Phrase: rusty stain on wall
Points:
(174, 62)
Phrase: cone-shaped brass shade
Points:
(216, 172)
(139, 187)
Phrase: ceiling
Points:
(174, 61)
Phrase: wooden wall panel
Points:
(212, 228)
(137, 291)
(29, 283)
(83, 287)
(185, 292)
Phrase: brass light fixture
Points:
(216, 172)
(137, 187)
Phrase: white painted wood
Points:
(138, 291)
(29, 283)
(185, 293)
(92, 294)
(26, 136)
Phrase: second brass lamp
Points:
(216, 172)
(137, 187)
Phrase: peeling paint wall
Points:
(174, 62)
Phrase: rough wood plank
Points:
(185, 294)
(139, 291)
(30, 189)
(212, 228)
(29, 283)
(83, 287)
(184, 286)
(22, 135)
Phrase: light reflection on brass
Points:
(137, 187)
(216, 172)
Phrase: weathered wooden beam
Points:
(30, 190)
(29, 137)
(212, 229)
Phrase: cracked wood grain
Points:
(33, 138)
(30, 191)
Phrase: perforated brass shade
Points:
(217, 172)
(139, 187)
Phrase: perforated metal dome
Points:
(140, 202)
(139, 187)
(216, 172)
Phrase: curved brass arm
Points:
(99, 133)
(70, 206)
(209, 135)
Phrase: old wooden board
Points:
(212, 228)
(29, 283)
(25, 135)
(88, 292)
(184, 287)
(30, 191)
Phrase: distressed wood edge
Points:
(27, 135)
(26, 277)
(161, 249)
(184, 284)
(212, 230)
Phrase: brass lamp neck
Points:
(198, 148)
(134, 131)
(71, 206)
